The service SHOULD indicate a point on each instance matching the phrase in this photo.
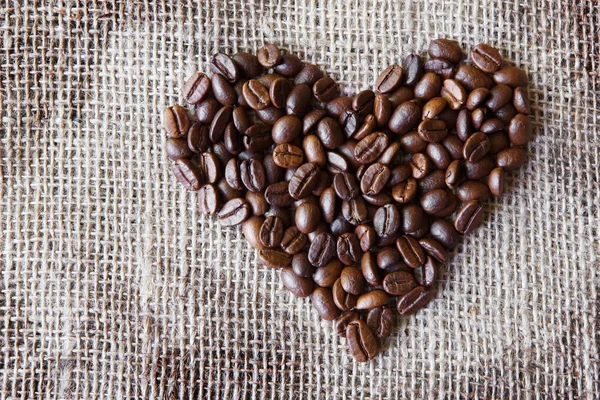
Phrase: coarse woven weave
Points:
(113, 285)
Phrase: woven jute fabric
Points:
(113, 285)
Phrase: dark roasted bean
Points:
(511, 159)
(388, 257)
(219, 123)
(298, 100)
(336, 163)
(411, 251)
(269, 56)
(232, 139)
(492, 125)
(286, 129)
(433, 107)
(413, 69)
(374, 179)
(381, 320)
(367, 127)
(454, 94)
(271, 232)
(345, 185)
(338, 105)
(519, 130)
(496, 181)
(362, 103)
(446, 49)
(257, 202)
(432, 130)
(223, 65)
(300, 264)
(252, 174)
(387, 221)
(434, 248)
(248, 64)
(398, 283)
(322, 250)
(472, 190)
(361, 341)
(389, 79)
(250, 229)
(382, 109)
(308, 75)
(391, 155)
(444, 232)
(341, 324)
(472, 78)
(274, 258)
(322, 300)
(454, 145)
(405, 191)
(342, 299)
(478, 117)
(401, 95)
(208, 200)
(307, 217)
(486, 58)
(289, 65)
(477, 97)
(479, 169)
(313, 151)
(303, 181)
(438, 155)
(428, 87)
(177, 148)
(468, 217)
(412, 143)
(196, 88)
(404, 118)
(371, 147)
(511, 76)
(293, 241)
(414, 300)
(498, 97)
(299, 286)
(222, 90)
(256, 95)
(273, 173)
(521, 100)
(176, 121)
(348, 248)
(373, 299)
(227, 192)
(352, 280)
(476, 147)
(330, 133)
(370, 270)
(325, 89)
(426, 274)
(366, 236)
(355, 211)
(435, 201)
(327, 275)
(206, 110)
(234, 212)
(435, 180)
(310, 121)
(187, 174)
(350, 122)
(444, 68)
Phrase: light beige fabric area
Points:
(114, 287)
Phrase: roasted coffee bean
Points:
(303, 181)
(388, 257)
(196, 88)
(274, 258)
(250, 229)
(433, 107)
(338, 105)
(345, 185)
(176, 121)
(444, 232)
(398, 283)
(435, 180)
(232, 139)
(286, 129)
(330, 133)
(308, 75)
(477, 98)
(325, 89)
(257, 202)
(401, 95)
(405, 191)
(446, 49)
(420, 165)
(405, 118)
(350, 122)
(177, 148)
(256, 95)
(298, 100)
(391, 155)
(374, 179)
(222, 90)
(366, 236)
(486, 58)
(449, 117)
(468, 217)
(432, 130)
(496, 182)
(498, 97)
(426, 274)
(322, 301)
(428, 87)
(322, 250)
(511, 159)
(371, 147)
(413, 69)
(327, 203)
(282, 213)
(271, 232)
(278, 92)
(348, 248)
(342, 299)
(478, 117)
(412, 143)
(438, 155)
(270, 115)
(301, 266)
(471, 78)
(219, 123)
(389, 79)
(479, 169)
(454, 94)
(327, 275)
(373, 299)
(381, 320)
(238, 88)
(511, 76)
(310, 121)
(436, 201)
(313, 151)
(269, 56)
(492, 125)
(234, 212)
(352, 280)
(248, 65)
(223, 65)
(361, 341)
(472, 190)
(412, 217)
(287, 156)
(441, 67)
(382, 109)
(206, 110)
(521, 100)
(367, 127)
(413, 301)
(411, 251)
(369, 269)
(519, 130)
(346, 150)
(252, 174)
(187, 174)
(363, 102)
(506, 113)
(226, 192)
(208, 200)
(289, 65)
(339, 226)
(293, 241)
(299, 286)
(342, 322)
(476, 147)
(434, 249)
(336, 163)
(451, 204)
(387, 221)
(454, 145)
(307, 217)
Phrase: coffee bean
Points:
(252, 174)
(468, 217)
(269, 56)
(278, 92)
(434, 249)
(413, 69)
(410, 250)
(405, 191)
(420, 165)
(412, 217)
(273, 173)
(307, 217)
(405, 117)
(506, 113)
(371, 147)
(366, 236)
(352, 280)
(426, 274)
(498, 97)
(196, 88)
(374, 179)
(289, 66)
(338, 105)
(177, 148)
(477, 98)
(345, 185)
(478, 117)
(391, 155)
(350, 122)
(348, 248)
(176, 121)
(439, 156)
(327, 275)
(342, 299)
(380, 320)
(414, 300)
(234, 212)
(486, 58)
(310, 121)
(330, 133)
(257, 138)
(336, 164)
(346, 150)
(287, 156)
(446, 49)
(519, 130)
(454, 94)
(361, 342)
(187, 174)
(293, 241)
(219, 123)
(313, 150)
(303, 181)
(492, 125)
(250, 229)
(232, 174)
(435, 180)
(398, 283)
(368, 126)
(476, 147)
(325, 89)
(363, 102)
(206, 110)
(401, 95)
(472, 78)
(454, 145)
(388, 257)
(511, 76)
(432, 130)
(327, 203)
(238, 88)
(435, 201)
(208, 200)
(248, 65)
(322, 250)
(373, 299)
(339, 226)
(433, 107)
(444, 232)
(298, 100)
(222, 90)
(256, 95)
(496, 182)
(382, 109)
(369, 269)
(301, 266)
(480, 169)
(511, 159)
(473, 190)
(257, 202)
(271, 232)
(297, 285)
(322, 300)
(224, 66)
(412, 143)
(342, 322)
(274, 258)
(389, 79)
(521, 100)
(270, 115)
(441, 67)
(226, 192)
(286, 129)
(386, 221)
(428, 87)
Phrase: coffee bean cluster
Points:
(356, 200)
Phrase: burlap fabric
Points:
(114, 287)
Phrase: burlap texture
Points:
(113, 285)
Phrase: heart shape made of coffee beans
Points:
(357, 200)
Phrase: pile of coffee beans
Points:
(356, 200)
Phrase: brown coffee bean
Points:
(468, 217)
(426, 274)
(434, 249)
(252, 174)
(298, 100)
(486, 58)
(412, 217)
(257, 202)
(386, 221)
(342, 322)
(521, 100)
(234, 212)
(303, 181)
(382, 109)
(322, 300)
(226, 192)
(363, 102)
(413, 69)
(279, 90)
(297, 285)
(401, 95)
(247, 64)
(444, 68)
(286, 155)
(492, 125)
(307, 217)
(223, 91)
(233, 176)
(420, 165)
(366, 236)
(381, 320)
(223, 65)
(412, 143)
(350, 122)
(311, 120)
(176, 121)
(330, 133)
(269, 56)
(371, 147)
(511, 76)
(177, 148)
(399, 173)
(472, 78)
(322, 250)
(250, 229)
(473, 190)
(388, 257)
(274, 258)
(301, 266)
(454, 94)
(477, 98)
(446, 49)
(361, 341)
(433, 107)
(336, 164)
(413, 301)
(345, 185)
(271, 232)
(405, 191)
(290, 65)
(308, 75)
(498, 97)
(348, 248)
(355, 211)
(391, 155)
(206, 110)
(325, 89)
(327, 203)
(428, 87)
(519, 130)
(404, 118)
(293, 241)
(389, 79)
(432, 130)
(476, 147)
(277, 194)
(352, 280)
(366, 128)
(496, 182)
(444, 232)
(370, 270)
(314, 151)
(286, 129)
(342, 299)
(256, 95)
(436, 200)
(219, 123)
(338, 105)
(435, 180)
(208, 200)
(506, 113)
(398, 283)
(410, 250)
(454, 145)
(478, 117)
(438, 155)
(374, 179)
(187, 174)
(327, 275)
(373, 299)
(232, 139)
(196, 88)
(511, 159)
